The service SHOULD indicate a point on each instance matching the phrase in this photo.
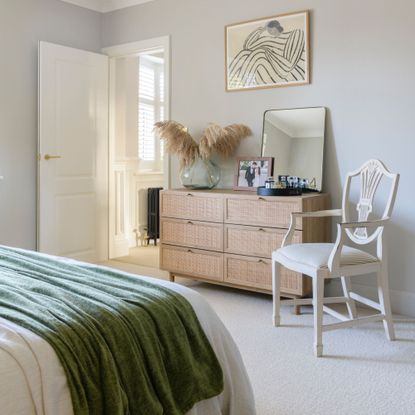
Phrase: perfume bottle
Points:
(269, 183)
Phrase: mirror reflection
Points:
(295, 138)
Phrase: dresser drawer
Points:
(204, 235)
(262, 211)
(195, 206)
(257, 273)
(192, 262)
(248, 271)
(255, 241)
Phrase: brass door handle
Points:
(49, 157)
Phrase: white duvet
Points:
(32, 380)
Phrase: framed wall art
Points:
(269, 52)
(252, 172)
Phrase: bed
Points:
(33, 380)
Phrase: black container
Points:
(289, 191)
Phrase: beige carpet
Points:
(146, 256)
(362, 373)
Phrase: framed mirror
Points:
(295, 138)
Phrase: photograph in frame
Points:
(252, 172)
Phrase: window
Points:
(150, 110)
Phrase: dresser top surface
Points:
(231, 192)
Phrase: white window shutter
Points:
(145, 132)
(150, 110)
(146, 113)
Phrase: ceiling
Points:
(105, 6)
(301, 122)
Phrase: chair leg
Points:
(350, 303)
(276, 300)
(318, 295)
(384, 301)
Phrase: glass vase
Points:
(201, 174)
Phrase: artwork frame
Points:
(241, 182)
(253, 56)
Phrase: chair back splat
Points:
(371, 174)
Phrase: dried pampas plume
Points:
(178, 141)
(223, 141)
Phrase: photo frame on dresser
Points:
(252, 172)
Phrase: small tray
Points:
(291, 191)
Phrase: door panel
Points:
(79, 235)
(73, 126)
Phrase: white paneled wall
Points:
(118, 207)
(130, 205)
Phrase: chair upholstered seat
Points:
(317, 255)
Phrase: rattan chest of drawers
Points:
(227, 237)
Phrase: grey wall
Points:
(22, 24)
(362, 71)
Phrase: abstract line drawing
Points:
(269, 52)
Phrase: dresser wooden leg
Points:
(171, 277)
(297, 310)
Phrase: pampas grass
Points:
(223, 141)
(178, 141)
(215, 139)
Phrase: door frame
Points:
(124, 50)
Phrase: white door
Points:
(73, 153)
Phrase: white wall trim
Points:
(119, 51)
(105, 6)
(402, 302)
(86, 4)
(110, 5)
(137, 48)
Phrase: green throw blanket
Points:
(127, 346)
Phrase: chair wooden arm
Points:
(316, 214)
(343, 233)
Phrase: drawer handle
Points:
(189, 222)
(261, 198)
(189, 194)
(261, 261)
(190, 251)
(261, 230)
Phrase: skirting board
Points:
(402, 302)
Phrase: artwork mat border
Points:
(270, 171)
(307, 81)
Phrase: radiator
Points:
(153, 213)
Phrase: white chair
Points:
(321, 261)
